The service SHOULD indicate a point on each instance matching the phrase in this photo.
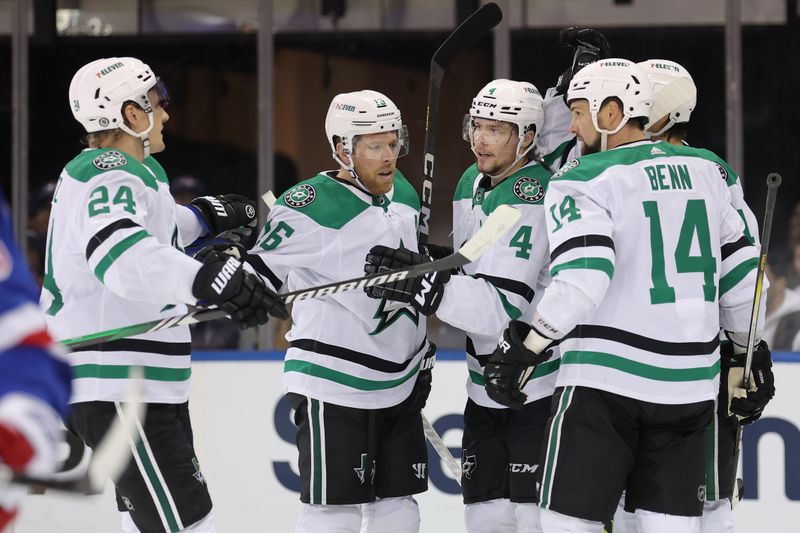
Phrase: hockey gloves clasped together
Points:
(424, 292)
(512, 363)
(224, 212)
(748, 405)
(223, 281)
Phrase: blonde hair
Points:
(101, 139)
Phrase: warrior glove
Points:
(747, 405)
(509, 367)
(223, 281)
(589, 44)
(224, 212)
(423, 292)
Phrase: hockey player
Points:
(353, 362)
(500, 446)
(114, 257)
(34, 377)
(648, 260)
(722, 432)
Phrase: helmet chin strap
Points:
(668, 125)
(352, 169)
(142, 135)
(605, 133)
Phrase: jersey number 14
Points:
(695, 222)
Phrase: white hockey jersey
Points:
(647, 234)
(114, 258)
(507, 280)
(347, 349)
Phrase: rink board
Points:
(245, 443)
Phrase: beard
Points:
(590, 148)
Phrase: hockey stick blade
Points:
(453, 466)
(473, 28)
(111, 456)
(495, 226)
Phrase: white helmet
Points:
(515, 102)
(362, 113)
(100, 88)
(608, 78)
(662, 72)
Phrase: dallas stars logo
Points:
(300, 196)
(110, 159)
(361, 471)
(573, 163)
(197, 474)
(529, 190)
(387, 317)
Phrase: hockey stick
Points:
(441, 448)
(111, 456)
(496, 225)
(773, 182)
(476, 26)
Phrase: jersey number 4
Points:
(695, 222)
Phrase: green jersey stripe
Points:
(153, 373)
(552, 445)
(116, 251)
(318, 371)
(49, 280)
(636, 368)
(158, 488)
(594, 263)
(737, 274)
(510, 309)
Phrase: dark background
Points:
(212, 133)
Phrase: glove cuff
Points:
(536, 342)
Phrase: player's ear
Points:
(342, 153)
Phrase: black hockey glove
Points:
(423, 292)
(235, 242)
(422, 387)
(223, 281)
(748, 405)
(435, 251)
(589, 44)
(509, 367)
(224, 212)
